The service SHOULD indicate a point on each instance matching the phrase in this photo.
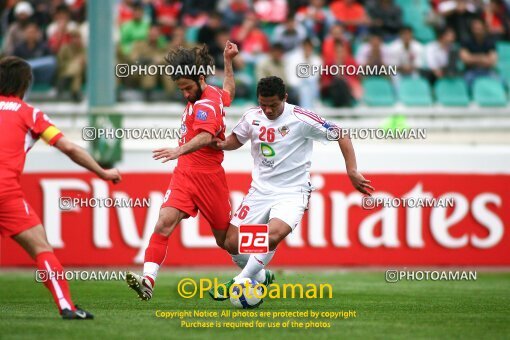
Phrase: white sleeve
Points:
(362, 54)
(315, 127)
(242, 130)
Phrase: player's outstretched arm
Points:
(229, 84)
(199, 141)
(358, 181)
(83, 158)
(230, 143)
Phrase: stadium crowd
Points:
(425, 39)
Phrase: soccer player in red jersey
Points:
(198, 182)
(21, 125)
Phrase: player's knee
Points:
(165, 225)
(230, 245)
(274, 240)
(220, 243)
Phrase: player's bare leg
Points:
(239, 259)
(155, 253)
(36, 244)
(220, 236)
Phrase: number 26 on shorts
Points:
(242, 212)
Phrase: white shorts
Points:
(257, 208)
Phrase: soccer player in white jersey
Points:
(281, 136)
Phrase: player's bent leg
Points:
(36, 244)
(143, 285)
(231, 240)
(254, 269)
(220, 236)
(232, 246)
(34, 241)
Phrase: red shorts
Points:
(16, 215)
(193, 190)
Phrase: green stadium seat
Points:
(503, 50)
(415, 91)
(414, 14)
(191, 35)
(268, 29)
(41, 87)
(504, 70)
(378, 91)
(489, 92)
(452, 92)
(424, 33)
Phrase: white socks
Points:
(150, 269)
(255, 267)
(241, 260)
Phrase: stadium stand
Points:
(451, 92)
(489, 92)
(415, 92)
(444, 104)
(378, 91)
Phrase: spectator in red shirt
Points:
(125, 11)
(351, 14)
(497, 20)
(167, 15)
(342, 89)
(254, 42)
(58, 32)
(336, 36)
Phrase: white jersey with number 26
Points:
(282, 148)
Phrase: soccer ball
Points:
(244, 294)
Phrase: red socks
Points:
(156, 251)
(52, 273)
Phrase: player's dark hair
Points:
(15, 76)
(271, 86)
(195, 56)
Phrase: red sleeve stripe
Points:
(309, 114)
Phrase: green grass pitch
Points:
(406, 310)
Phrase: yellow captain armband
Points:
(49, 134)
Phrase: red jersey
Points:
(21, 125)
(206, 114)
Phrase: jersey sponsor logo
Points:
(255, 122)
(266, 150)
(268, 163)
(283, 130)
(253, 239)
(202, 115)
